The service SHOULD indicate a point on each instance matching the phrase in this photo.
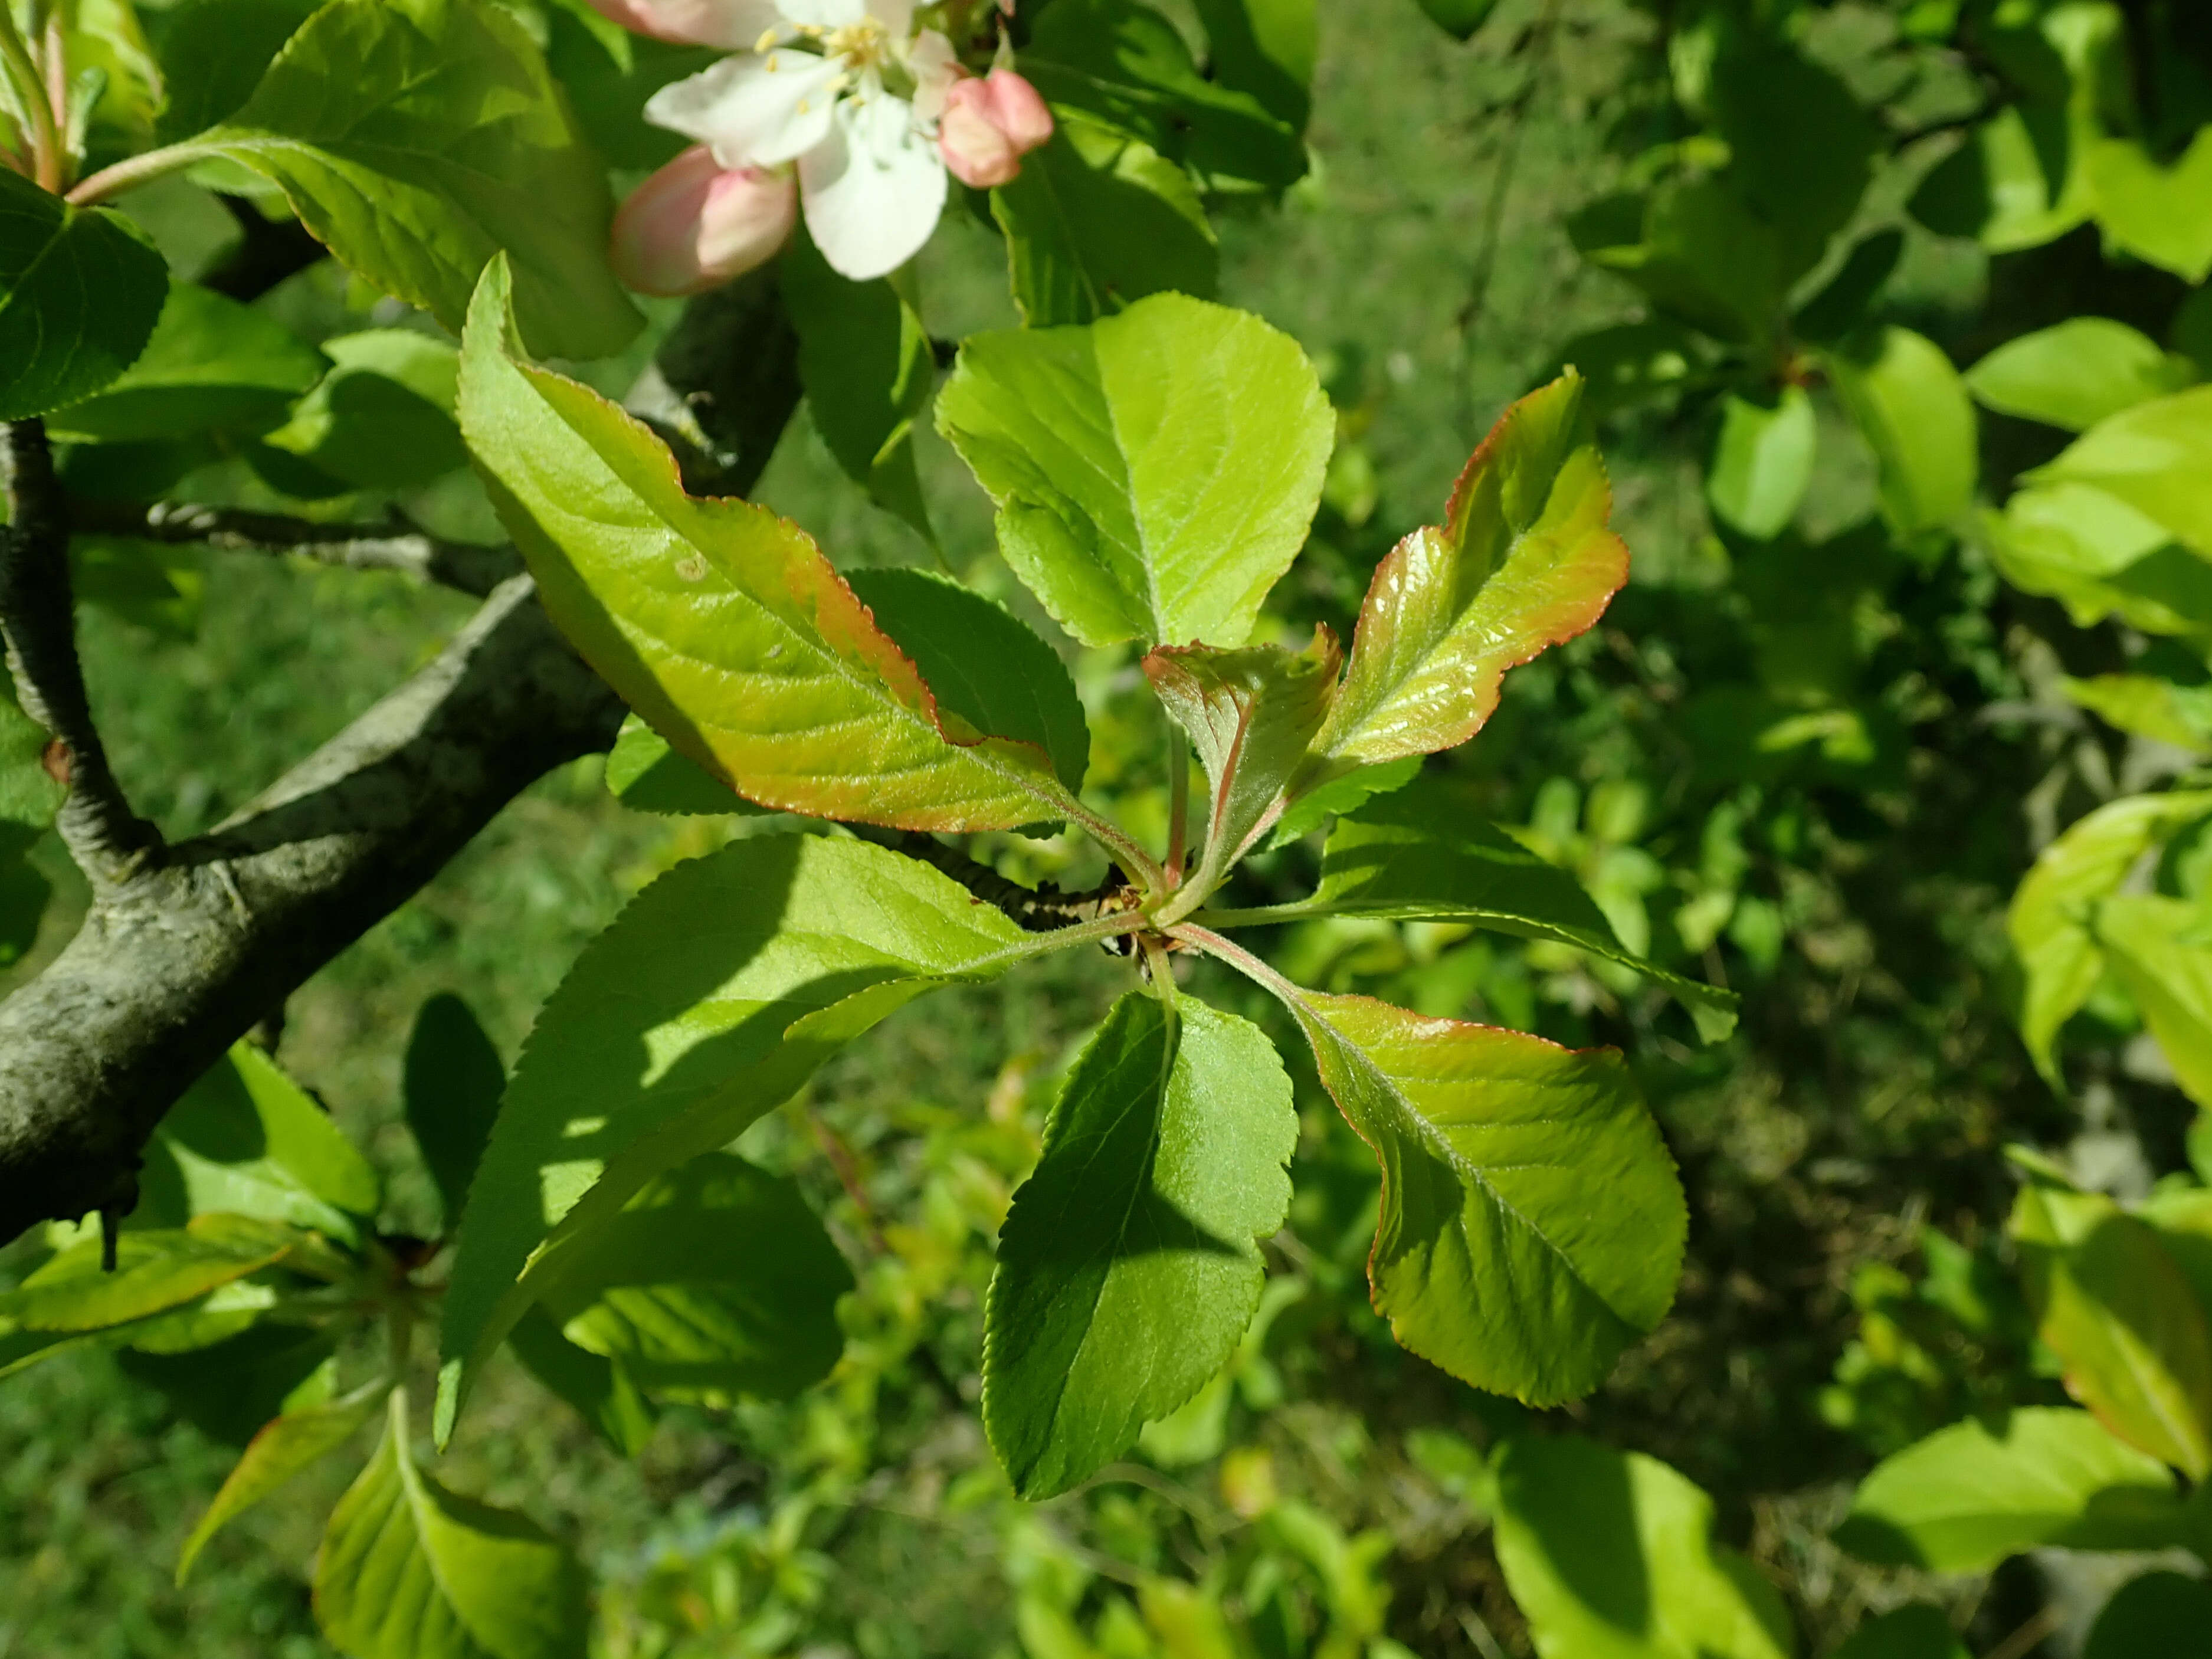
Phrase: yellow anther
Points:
(767, 42)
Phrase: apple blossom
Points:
(695, 223)
(988, 125)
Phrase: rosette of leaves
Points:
(1154, 473)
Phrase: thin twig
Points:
(38, 620)
(395, 544)
(2025, 1640)
(1043, 908)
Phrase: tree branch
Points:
(178, 960)
(397, 545)
(38, 620)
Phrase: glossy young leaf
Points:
(1340, 795)
(715, 1280)
(80, 293)
(450, 1085)
(2124, 1321)
(210, 365)
(416, 192)
(1911, 406)
(2162, 1612)
(722, 624)
(1611, 1555)
(2160, 949)
(2077, 373)
(155, 1271)
(1522, 561)
(2052, 914)
(1250, 714)
(865, 360)
(1416, 855)
(1127, 1266)
(600, 1391)
(1762, 462)
(410, 1571)
(1096, 220)
(1154, 472)
(644, 773)
(709, 1001)
(1127, 65)
(285, 1446)
(983, 663)
(2153, 456)
(1968, 1496)
(383, 418)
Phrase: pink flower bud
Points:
(731, 23)
(988, 125)
(695, 223)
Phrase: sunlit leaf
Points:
(285, 1446)
(1762, 461)
(1155, 473)
(2149, 706)
(1968, 1496)
(2161, 951)
(1522, 561)
(1911, 406)
(720, 623)
(2077, 373)
(2162, 214)
(2153, 456)
(710, 1000)
(1127, 1267)
(155, 1271)
(410, 1571)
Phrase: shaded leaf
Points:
(80, 293)
(1915, 1631)
(227, 1390)
(1843, 301)
(1970, 1495)
(1127, 1266)
(284, 1447)
(721, 624)
(709, 1001)
(408, 1570)
(1523, 559)
(600, 1390)
(383, 418)
(1267, 48)
(214, 53)
(210, 364)
(644, 773)
(1341, 795)
(450, 1085)
(1458, 18)
(1097, 220)
(1154, 472)
(1801, 148)
(2158, 1612)
(1611, 1556)
(1911, 406)
(2077, 373)
(1698, 250)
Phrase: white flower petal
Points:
(896, 16)
(935, 66)
(874, 189)
(753, 112)
(823, 14)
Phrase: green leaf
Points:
(285, 1446)
(416, 189)
(720, 623)
(155, 1271)
(1611, 1556)
(865, 360)
(1096, 220)
(80, 292)
(1522, 561)
(1762, 462)
(105, 36)
(2149, 706)
(210, 365)
(1801, 148)
(709, 1001)
(228, 1390)
(29, 796)
(2158, 1612)
(2077, 374)
(1490, 1261)
(608, 73)
(1695, 247)
(2099, 557)
(2160, 949)
(383, 418)
(1909, 404)
(214, 53)
(1341, 795)
(1126, 66)
(1267, 48)
(410, 1571)
(1914, 1631)
(2161, 215)
(644, 773)
(2052, 914)
(1418, 855)
(1458, 18)
(1842, 302)
(1968, 1496)
(1154, 472)
(715, 1280)
(450, 1087)
(2153, 456)
(155, 586)
(1127, 1266)
(600, 1391)
(1251, 714)
(248, 1141)
(1631, 364)
(984, 665)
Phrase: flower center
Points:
(862, 45)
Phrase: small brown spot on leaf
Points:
(692, 568)
(55, 758)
